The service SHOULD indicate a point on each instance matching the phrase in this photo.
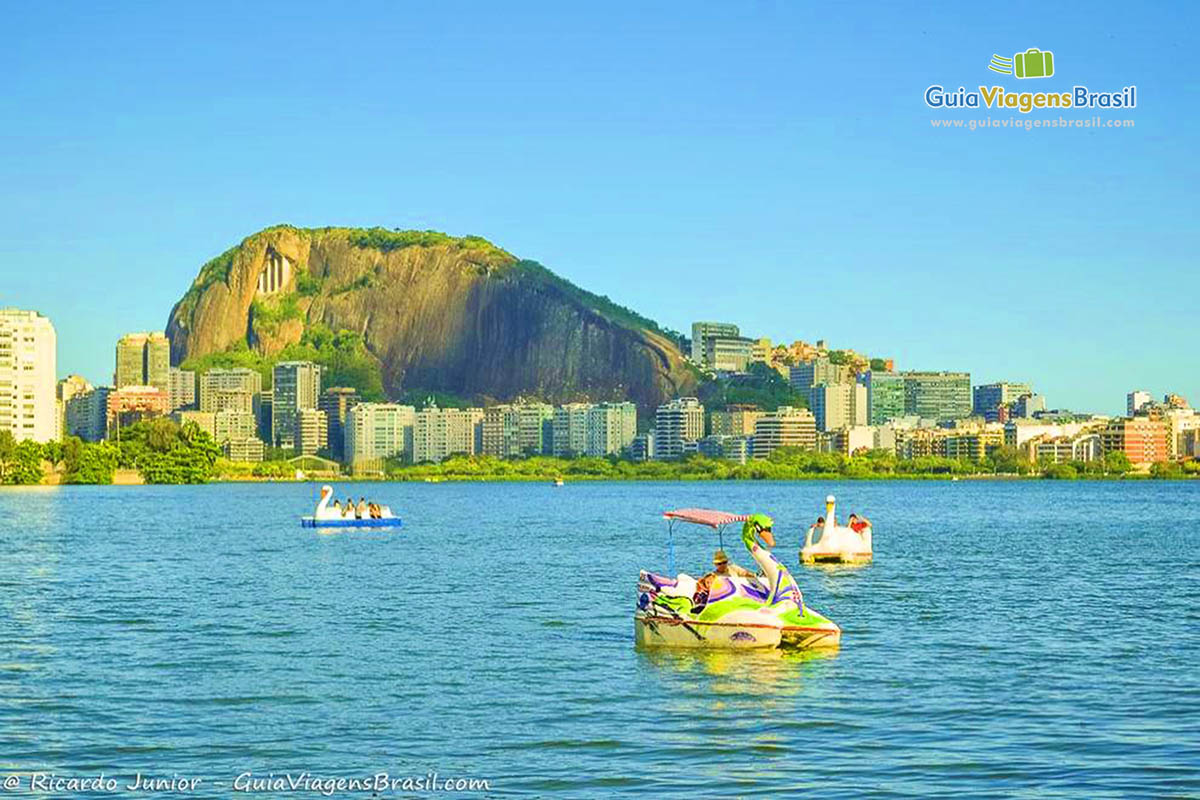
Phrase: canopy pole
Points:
(671, 549)
(721, 536)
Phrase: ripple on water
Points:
(1006, 642)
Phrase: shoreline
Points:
(703, 479)
(616, 479)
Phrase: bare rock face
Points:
(458, 315)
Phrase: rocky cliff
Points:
(457, 315)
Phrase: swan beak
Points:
(767, 537)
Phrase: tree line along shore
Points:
(161, 452)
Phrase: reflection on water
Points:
(761, 664)
(763, 674)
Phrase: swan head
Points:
(828, 506)
(761, 525)
(326, 492)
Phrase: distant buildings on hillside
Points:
(855, 403)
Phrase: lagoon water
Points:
(1015, 639)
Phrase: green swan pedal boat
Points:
(728, 609)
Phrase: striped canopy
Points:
(705, 516)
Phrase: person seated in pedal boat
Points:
(722, 568)
(858, 524)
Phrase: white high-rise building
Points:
(233, 425)
(28, 350)
(570, 426)
(181, 389)
(838, 405)
(312, 431)
(502, 431)
(785, 427)
(610, 428)
(439, 433)
(230, 388)
(702, 331)
(536, 427)
(1135, 400)
(376, 432)
(675, 424)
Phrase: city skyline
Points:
(157, 138)
(923, 415)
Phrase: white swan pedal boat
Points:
(837, 544)
(326, 517)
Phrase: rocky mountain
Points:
(436, 312)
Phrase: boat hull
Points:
(838, 545)
(834, 557)
(387, 522)
(809, 630)
(652, 630)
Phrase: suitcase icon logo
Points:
(1033, 63)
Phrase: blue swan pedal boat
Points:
(326, 517)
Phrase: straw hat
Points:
(719, 557)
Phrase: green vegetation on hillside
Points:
(342, 354)
(308, 285)
(238, 355)
(536, 273)
(385, 240)
(364, 281)
(213, 270)
(268, 312)
(762, 386)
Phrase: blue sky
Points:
(770, 164)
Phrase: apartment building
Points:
(375, 432)
(297, 386)
(28, 353)
(143, 359)
(785, 427)
(675, 424)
